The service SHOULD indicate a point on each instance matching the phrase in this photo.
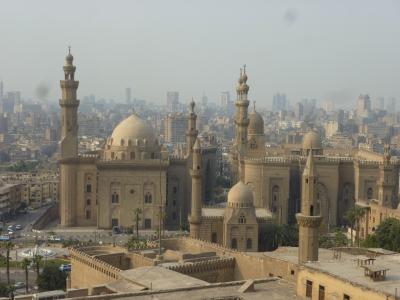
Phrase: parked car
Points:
(18, 227)
(19, 285)
(65, 268)
(54, 238)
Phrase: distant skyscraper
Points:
(175, 128)
(225, 99)
(279, 102)
(391, 106)
(204, 100)
(1, 90)
(329, 106)
(128, 95)
(172, 101)
(299, 111)
(363, 106)
(379, 103)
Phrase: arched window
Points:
(234, 243)
(147, 198)
(275, 199)
(242, 219)
(370, 193)
(249, 244)
(114, 197)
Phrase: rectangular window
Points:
(309, 289)
(346, 297)
(87, 202)
(88, 188)
(88, 214)
(147, 223)
(114, 222)
(321, 293)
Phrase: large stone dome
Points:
(240, 195)
(312, 140)
(256, 123)
(132, 130)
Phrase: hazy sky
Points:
(304, 48)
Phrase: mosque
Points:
(133, 171)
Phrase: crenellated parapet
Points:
(204, 266)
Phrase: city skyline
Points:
(143, 45)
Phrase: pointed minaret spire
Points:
(309, 218)
(191, 132)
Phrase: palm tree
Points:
(353, 216)
(8, 246)
(136, 219)
(351, 219)
(25, 264)
(359, 214)
(36, 259)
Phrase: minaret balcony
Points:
(308, 221)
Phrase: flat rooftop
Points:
(271, 289)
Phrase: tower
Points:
(241, 122)
(195, 214)
(69, 143)
(191, 132)
(386, 182)
(69, 110)
(309, 218)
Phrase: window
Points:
(234, 243)
(306, 180)
(147, 223)
(114, 222)
(346, 297)
(114, 197)
(132, 191)
(174, 189)
(214, 237)
(370, 193)
(87, 214)
(132, 155)
(173, 215)
(311, 210)
(87, 202)
(242, 220)
(152, 155)
(321, 293)
(309, 289)
(88, 188)
(249, 244)
(112, 155)
(291, 272)
(147, 198)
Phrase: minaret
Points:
(69, 144)
(241, 122)
(196, 173)
(191, 132)
(309, 218)
(241, 118)
(386, 182)
(69, 110)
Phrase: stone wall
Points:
(51, 214)
(118, 260)
(88, 271)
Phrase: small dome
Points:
(131, 129)
(240, 195)
(256, 123)
(312, 140)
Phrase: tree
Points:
(8, 246)
(273, 235)
(353, 217)
(386, 236)
(52, 278)
(136, 219)
(37, 259)
(25, 264)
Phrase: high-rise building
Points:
(299, 111)
(329, 105)
(279, 102)
(128, 96)
(175, 128)
(1, 90)
(379, 103)
(391, 106)
(363, 106)
(225, 99)
(172, 101)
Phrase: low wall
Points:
(47, 217)
(89, 271)
(138, 260)
(118, 260)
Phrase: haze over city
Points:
(306, 49)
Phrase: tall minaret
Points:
(241, 118)
(69, 110)
(69, 144)
(195, 214)
(309, 218)
(191, 132)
